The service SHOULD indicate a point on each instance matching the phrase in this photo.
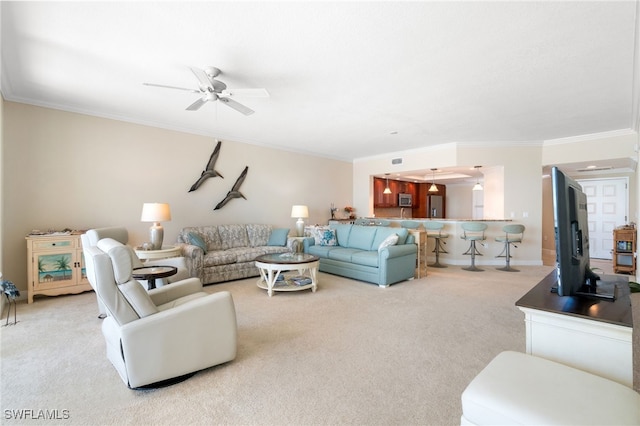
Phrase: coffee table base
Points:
(269, 273)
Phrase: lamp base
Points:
(156, 233)
(300, 227)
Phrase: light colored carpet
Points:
(351, 353)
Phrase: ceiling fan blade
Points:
(236, 105)
(171, 87)
(197, 104)
(203, 79)
(249, 93)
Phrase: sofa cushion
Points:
(384, 231)
(321, 251)
(233, 236)
(219, 257)
(367, 258)
(247, 254)
(258, 234)
(182, 300)
(196, 240)
(278, 237)
(342, 233)
(343, 254)
(361, 237)
(403, 235)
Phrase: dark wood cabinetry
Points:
(423, 201)
(397, 187)
(380, 199)
(426, 202)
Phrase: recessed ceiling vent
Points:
(594, 169)
(396, 161)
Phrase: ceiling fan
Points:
(212, 90)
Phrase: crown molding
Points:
(590, 137)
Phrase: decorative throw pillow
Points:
(316, 233)
(278, 237)
(391, 240)
(328, 237)
(196, 240)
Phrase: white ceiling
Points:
(346, 79)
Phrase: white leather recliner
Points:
(118, 233)
(162, 334)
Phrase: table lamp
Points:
(156, 213)
(300, 212)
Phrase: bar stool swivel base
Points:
(437, 250)
(473, 251)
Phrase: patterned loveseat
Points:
(220, 253)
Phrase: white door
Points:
(608, 208)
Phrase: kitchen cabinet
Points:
(624, 250)
(55, 265)
(397, 187)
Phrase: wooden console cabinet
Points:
(55, 265)
(624, 250)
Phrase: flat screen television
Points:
(575, 277)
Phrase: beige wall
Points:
(76, 171)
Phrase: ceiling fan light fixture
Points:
(212, 90)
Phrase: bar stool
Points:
(512, 234)
(410, 224)
(434, 230)
(472, 232)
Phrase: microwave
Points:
(404, 200)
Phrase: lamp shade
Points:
(299, 211)
(155, 212)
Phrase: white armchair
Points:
(163, 334)
(92, 236)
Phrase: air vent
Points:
(396, 161)
(594, 169)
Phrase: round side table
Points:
(163, 253)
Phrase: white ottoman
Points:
(517, 388)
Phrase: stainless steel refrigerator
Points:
(435, 206)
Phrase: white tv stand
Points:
(588, 334)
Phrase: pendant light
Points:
(387, 190)
(477, 186)
(433, 187)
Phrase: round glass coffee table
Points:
(273, 266)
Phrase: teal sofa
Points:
(356, 254)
